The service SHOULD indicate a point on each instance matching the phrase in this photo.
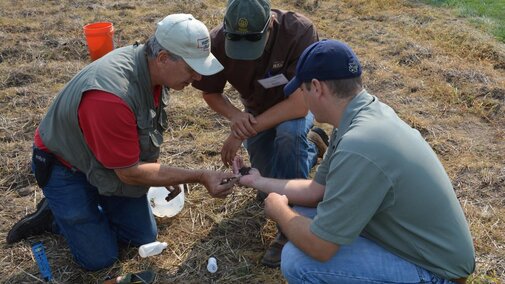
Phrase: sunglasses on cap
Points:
(254, 36)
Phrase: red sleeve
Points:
(110, 129)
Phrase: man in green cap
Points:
(259, 49)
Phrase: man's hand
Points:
(229, 150)
(212, 180)
(237, 164)
(242, 125)
(248, 179)
(275, 204)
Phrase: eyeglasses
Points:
(254, 36)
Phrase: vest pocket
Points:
(148, 140)
(150, 135)
(163, 120)
(156, 138)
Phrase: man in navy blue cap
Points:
(381, 207)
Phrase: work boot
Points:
(33, 224)
(272, 256)
(317, 136)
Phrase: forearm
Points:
(301, 192)
(220, 104)
(291, 108)
(154, 174)
(297, 230)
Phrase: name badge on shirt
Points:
(273, 81)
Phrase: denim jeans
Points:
(284, 150)
(362, 261)
(93, 224)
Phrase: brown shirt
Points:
(291, 34)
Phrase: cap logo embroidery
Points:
(353, 67)
(203, 44)
(278, 64)
(242, 25)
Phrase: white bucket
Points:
(160, 206)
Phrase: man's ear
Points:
(162, 57)
(317, 86)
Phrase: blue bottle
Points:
(40, 256)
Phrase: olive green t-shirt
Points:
(383, 181)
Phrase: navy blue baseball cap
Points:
(324, 60)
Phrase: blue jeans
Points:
(284, 150)
(362, 261)
(93, 224)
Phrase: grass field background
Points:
(488, 14)
(443, 74)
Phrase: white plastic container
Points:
(160, 206)
(212, 265)
(151, 249)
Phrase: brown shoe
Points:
(317, 136)
(272, 256)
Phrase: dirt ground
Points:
(443, 76)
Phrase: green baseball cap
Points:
(245, 28)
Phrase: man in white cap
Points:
(259, 48)
(96, 151)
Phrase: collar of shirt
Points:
(360, 101)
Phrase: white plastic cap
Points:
(212, 265)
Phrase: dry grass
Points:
(439, 73)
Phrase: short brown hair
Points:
(342, 88)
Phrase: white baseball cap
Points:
(185, 36)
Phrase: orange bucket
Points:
(99, 38)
